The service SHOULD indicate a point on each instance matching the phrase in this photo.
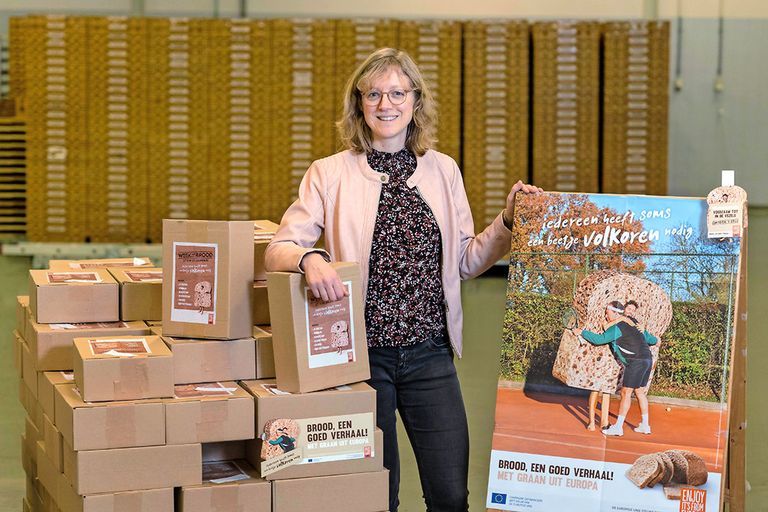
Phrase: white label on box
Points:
(272, 388)
(74, 277)
(195, 272)
(330, 329)
(119, 347)
(724, 220)
(69, 376)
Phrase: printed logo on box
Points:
(73, 277)
(119, 347)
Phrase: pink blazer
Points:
(339, 196)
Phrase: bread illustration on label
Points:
(340, 335)
(203, 295)
(279, 437)
(674, 469)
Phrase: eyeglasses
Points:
(396, 96)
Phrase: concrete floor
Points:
(484, 309)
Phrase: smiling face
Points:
(611, 315)
(388, 122)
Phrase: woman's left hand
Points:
(517, 187)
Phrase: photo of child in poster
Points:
(615, 360)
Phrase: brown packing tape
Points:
(225, 498)
(213, 361)
(120, 425)
(213, 411)
(134, 377)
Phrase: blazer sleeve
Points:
(477, 253)
(301, 226)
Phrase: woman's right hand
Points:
(322, 278)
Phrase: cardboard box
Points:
(272, 402)
(225, 450)
(141, 293)
(69, 265)
(131, 469)
(317, 345)
(154, 323)
(18, 350)
(201, 360)
(260, 303)
(154, 500)
(207, 413)
(227, 486)
(29, 456)
(47, 472)
(66, 297)
(265, 356)
(264, 231)
(52, 443)
(31, 431)
(125, 368)
(22, 305)
(361, 492)
(209, 278)
(52, 344)
(33, 487)
(372, 460)
(108, 425)
(46, 382)
(28, 370)
(355, 404)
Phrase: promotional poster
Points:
(615, 362)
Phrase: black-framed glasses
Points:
(396, 96)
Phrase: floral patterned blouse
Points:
(405, 303)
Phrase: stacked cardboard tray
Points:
(635, 106)
(117, 202)
(566, 86)
(436, 48)
(55, 61)
(13, 180)
(495, 131)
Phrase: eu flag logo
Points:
(498, 498)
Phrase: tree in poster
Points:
(565, 223)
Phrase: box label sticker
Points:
(724, 220)
(222, 472)
(133, 262)
(69, 376)
(145, 276)
(195, 270)
(118, 347)
(324, 439)
(330, 329)
(272, 389)
(90, 326)
(201, 390)
(73, 277)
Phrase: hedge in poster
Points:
(619, 310)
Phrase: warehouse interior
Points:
(708, 108)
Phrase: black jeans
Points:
(420, 381)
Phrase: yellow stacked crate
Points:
(13, 141)
(635, 106)
(178, 139)
(566, 89)
(495, 130)
(355, 40)
(303, 85)
(55, 75)
(231, 104)
(117, 179)
(262, 117)
(16, 41)
(436, 48)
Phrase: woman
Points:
(630, 346)
(399, 208)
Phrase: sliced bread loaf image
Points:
(645, 470)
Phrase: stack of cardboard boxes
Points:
(126, 413)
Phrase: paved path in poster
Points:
(553, 424)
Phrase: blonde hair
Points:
(355, 133)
